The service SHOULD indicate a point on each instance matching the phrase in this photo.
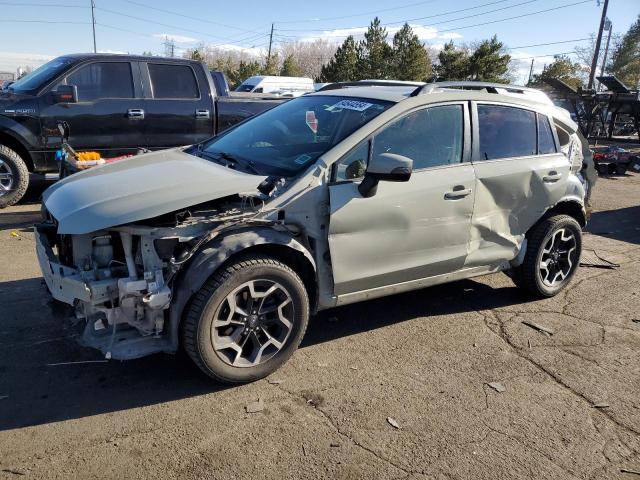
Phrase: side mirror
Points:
(66, 94)
(388, 167)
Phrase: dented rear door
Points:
(520, 173)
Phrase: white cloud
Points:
(118, 52)
(10, 61)
(176, 38)
(338, 35)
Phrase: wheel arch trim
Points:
(214, 254)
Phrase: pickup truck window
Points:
(173, 81)
(290, 137)
(102, 80)
(41, 76)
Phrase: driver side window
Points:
(431, 137)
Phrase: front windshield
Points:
(245, 87)
(41, 76)
(290, 137)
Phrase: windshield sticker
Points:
(351, 105)
(302, 159)
(312, 121)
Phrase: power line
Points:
(173, 12)
(540, 56)
(35, 4)
(550, 43)
(367, 13)
(65, 22)
(517, 16)
(198, 32)
(441, 14)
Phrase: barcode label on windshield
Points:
(351, 105)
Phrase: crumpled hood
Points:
(138, 188)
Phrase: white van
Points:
(285, 86)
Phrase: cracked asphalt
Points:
(570, 409)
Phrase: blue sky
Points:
(140, 25)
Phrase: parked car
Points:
(292, 86)
(114, 105)
(612, 160)
(332, 198)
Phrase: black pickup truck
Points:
(115, 105)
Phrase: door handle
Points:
(459, 191)
(551, 177)
(202, 114)
(135, 113)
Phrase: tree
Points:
(375, 54)
(197, 56)
(489, 62)
(562, 68)
(343, 66)
(410, 58)
(271, 65)
(625, 62)
(310, 56)
(244, 71)
(453, 63)
(290, 67)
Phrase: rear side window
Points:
(506, 132)
(173, 81)
(431, 137)
(102, 80)
(546, 142)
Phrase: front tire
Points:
(247, 320)
(14, 177)
(553, 254)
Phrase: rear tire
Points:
(247, 320)
(553, 253)
(14, 177)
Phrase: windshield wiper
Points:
(246, 164)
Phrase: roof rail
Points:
(365, 83)
(498, 88)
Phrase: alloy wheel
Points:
(253, 323)
(558, 257)
(6, 178)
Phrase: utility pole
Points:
(596, 54)
(608, 26)
(270, 42)
(169, 47)
(531, 72)
(93, 24)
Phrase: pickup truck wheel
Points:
(553, 254)
(247, 320)
(14, 177)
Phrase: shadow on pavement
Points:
(33, 333)
(622, 224)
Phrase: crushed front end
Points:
(119, 280)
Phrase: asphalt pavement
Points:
(443, 383)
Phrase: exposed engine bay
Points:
(119, 280)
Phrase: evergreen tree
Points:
(290, 67)
(271, 65)
(375, 55)
(453, 63)
(561, 68)
(410, 59)
(196, 55)
(489, 63)
(625, 62)
(239, 75)
(342, 67)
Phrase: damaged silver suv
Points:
(351, 193)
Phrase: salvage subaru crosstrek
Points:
(351, 193)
